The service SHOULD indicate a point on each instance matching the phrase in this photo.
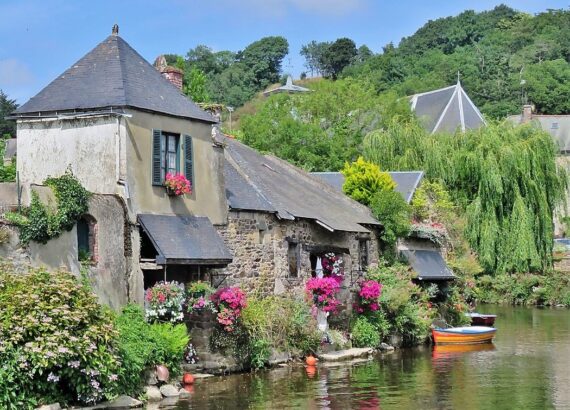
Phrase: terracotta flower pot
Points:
(187, 378)
(311, 361)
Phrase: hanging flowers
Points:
(322, 293)
(164, 302)
(177, 184)
(229, 303)
(369, 296)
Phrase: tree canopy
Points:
(7, 106)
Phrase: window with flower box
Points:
(171, 153)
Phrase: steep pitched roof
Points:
(266, 183)
(406, 181)
(112, 75)
(446, 110)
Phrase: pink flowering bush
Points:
(198, 300)
(369, 296)
(164, 302)
(322, 292)
(229, 303)
(177, 184)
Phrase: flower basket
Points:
(177, 184)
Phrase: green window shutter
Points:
(156, 179)
(188, 161)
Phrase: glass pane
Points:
(172, 161)
(162, 174)
(171, 143)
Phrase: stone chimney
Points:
(526, 113)
(172, 74)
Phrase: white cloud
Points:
(13, 72)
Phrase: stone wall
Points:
(260, 243)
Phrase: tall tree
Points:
(339, 55)
(7, 106)
(313, 53)
(264, 57)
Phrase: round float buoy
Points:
(311, 361)
(188, 378)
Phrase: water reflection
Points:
(526, 368)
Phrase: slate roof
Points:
(289, 87)
(113, 75)
(406, 181)
(190, 240)
(265, 183)
(446, 110)
(429, 265)
(556, 125)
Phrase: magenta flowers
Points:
(229, 302)
(322, 292)
(369, 295)
(177, 184)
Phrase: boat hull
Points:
(464, 335)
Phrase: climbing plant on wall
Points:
(504, 178)
(40, 223)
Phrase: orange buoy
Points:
(311, 371)
(188, 378)
(311, 361)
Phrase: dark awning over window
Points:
(185, 240)
(429, 265)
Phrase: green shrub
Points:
(63, 340)
(363, 180)
(364, 333)
(143, 346)
(260, 351)
(14, 394)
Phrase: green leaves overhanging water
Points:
(505, 178)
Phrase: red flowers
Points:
(322, 292)
(369, 296)
(230, 302)
(177, 184)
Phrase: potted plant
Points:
(198, 297)
(322, 291)
(229, 303)
(177, 184)
(164, 302)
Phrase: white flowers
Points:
(52, 378)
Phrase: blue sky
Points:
(42, 38)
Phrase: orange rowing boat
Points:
(464, 335)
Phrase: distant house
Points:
(424, 256)
(289, 88)
(282, 219)
(556, 125)
(446, 110)
(120, 126)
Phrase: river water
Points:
(527, 367)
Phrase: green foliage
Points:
(432, 202)
(364, 179)
(7, 107)
(195, 85)
(493, 50)
(505, 179)
(13, 381)
(321, 130)
(39, 223)
(404, 306)
(143, 345)
(63, 341)
(525, 289)
(7, 171)
(364, 333)
(393, 213)
(338, 55)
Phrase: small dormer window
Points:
(171, 153)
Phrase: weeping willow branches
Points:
(504, 177)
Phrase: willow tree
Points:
(504, 177)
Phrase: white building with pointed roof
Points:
(446, 110)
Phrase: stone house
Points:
(120, 127)
(282, 219)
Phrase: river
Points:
(527, 367)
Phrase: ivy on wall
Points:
(40, 223)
